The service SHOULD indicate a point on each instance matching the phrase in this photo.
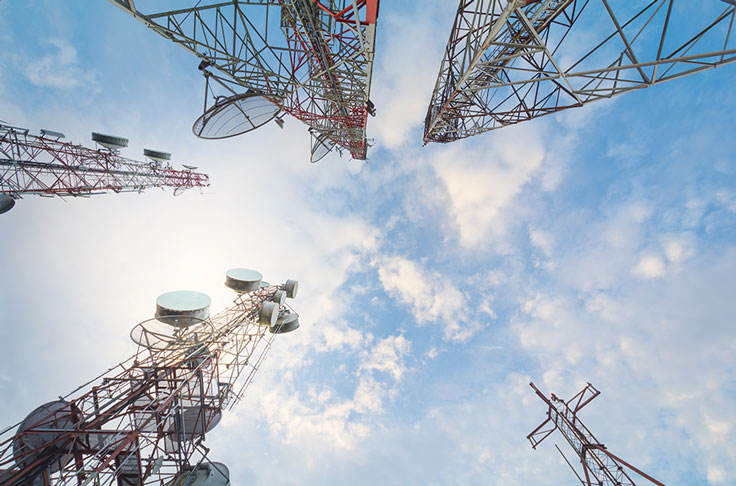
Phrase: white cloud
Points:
(541, 240)
(388, 356)
(402, 95)
(482, 182)
(649, 266)
(430, 295)
(678, 250)
(59, 69)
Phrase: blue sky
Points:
(597, 245)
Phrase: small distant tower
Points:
(45, 165)
(600, 466)
(144, 421)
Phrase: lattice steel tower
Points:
(312, 59)
(143, 421)
(600, 466)
(47, 166)
(508, 61)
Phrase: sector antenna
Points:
(47, 165)
(312, 59)
(508, 61)
(144, 421)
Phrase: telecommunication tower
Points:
(600, 466)
(143, 421)
(508, 61)
(312, 59)
(46, 165)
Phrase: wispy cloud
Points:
(59, 69)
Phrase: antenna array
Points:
(311, 59)
(144, 421)
(47, 166)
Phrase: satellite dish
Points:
(235, 115)
(196, 420)
(279, 297)
(6, 203)
(180, 190)
(155, 335)
(265, 284)
(268, 314)
(288, 321)
(190, 167)
(243, 280)
(110, 141)
(52, 134)
(55, 419)
(207, 474)
(321, 146)
(291, 287)
(182, 308)
(156, 155)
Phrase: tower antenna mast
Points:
(509, 61)
(312, 59)
(144, 421)
(46, 165)
(600, 466)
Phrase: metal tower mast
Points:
(311, 58)
(511, 61)
(143, 421)
(600, 466)
(46, 165)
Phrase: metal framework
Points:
(508, 61)
(313, 58)
(143, 422)
(600, 466)
(46, 165)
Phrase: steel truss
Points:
(313, 58)
(45, 165)
(144, 421)
(511, 61)
(600, 467)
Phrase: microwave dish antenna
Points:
(321, 146)
(145, 421)
(182, 307)
(235, 115)
(6, 203)
(286, 322)
(291, 287)
(157, 156)
(110, 141)
(156, 335)
(54, 418)
(52, 134)
(243, 280)
(205, 474)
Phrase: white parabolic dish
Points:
(182, 307)
(208, 474)
(243, 279)
(6, 203)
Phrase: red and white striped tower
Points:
(46, 165)
(144, 421)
